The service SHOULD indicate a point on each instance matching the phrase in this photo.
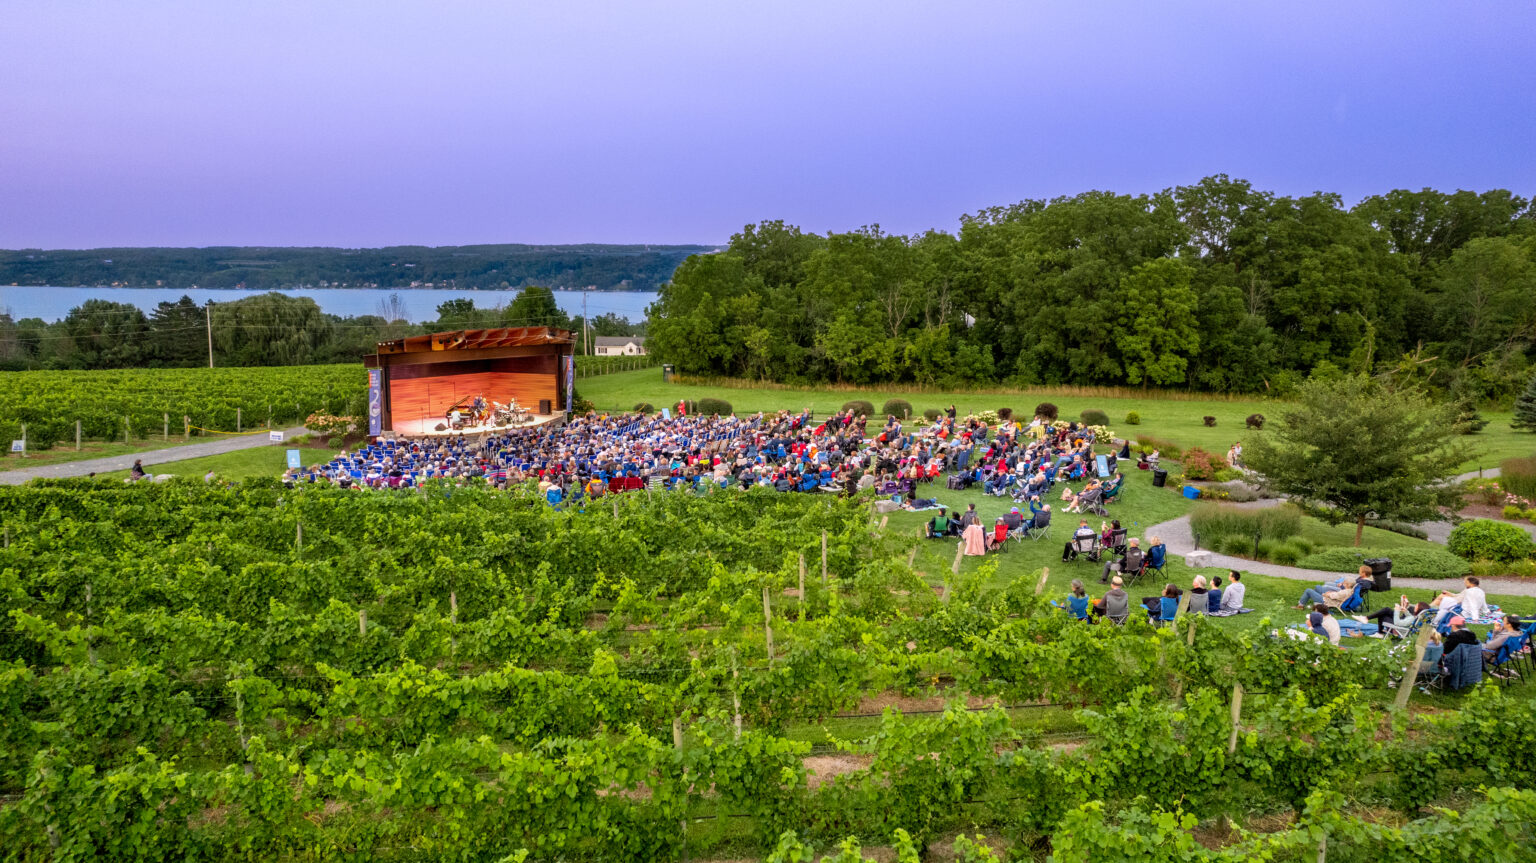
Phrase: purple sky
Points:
(448, 122)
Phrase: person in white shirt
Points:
(1471, 603)
(1232, 597)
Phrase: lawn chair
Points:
(1463, 668)
(1167, 610)
(1412, 628)
(1113, 494)
(1078, 607)
(1352, 603)
(1117, 540)
(1508, 654)
(1094, 503)
(1155, 559)
(1087, 546)
(1039, 533)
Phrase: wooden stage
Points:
(427, 426)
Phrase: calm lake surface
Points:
(53, 303)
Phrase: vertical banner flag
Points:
(375, 402)
(570, 380)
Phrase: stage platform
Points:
(427, 428)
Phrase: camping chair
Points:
(1117, 540)
(1037, 533)
(998, 540)
(1463, 668)
(1087, 546)
(1094, 503)
(1156, 558)
(1507, 654)
(1078, 607)
(1352, 603)
(1113, 494)
(1411, 629)
(1168, 609)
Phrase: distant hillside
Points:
(609, 268)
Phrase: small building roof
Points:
(617, 341)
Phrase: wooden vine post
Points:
(736, 691)
(1411, 673)
(453, 621)
(1237, 713)
(77, 435)
(682, 823)
(802, 587)
(298, 535)
(362, 623)
(768, 624)
(166, 431)
(823, 557)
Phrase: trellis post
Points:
(768, 624)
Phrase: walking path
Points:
(151, 457)
(1176, 534)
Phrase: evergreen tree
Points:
(1525, 408)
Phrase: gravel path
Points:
(1180, 540)
(151, 457)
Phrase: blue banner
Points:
(293, 459)
(375, 401)
(570, 380)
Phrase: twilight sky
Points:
(449, 122)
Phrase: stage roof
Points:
(469, 340)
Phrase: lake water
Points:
(53, 303)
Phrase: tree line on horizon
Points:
(271, 329)
(1215, 286)
(606, 267)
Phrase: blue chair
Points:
(1168, 609)
(1157, 558)
(1510, 651)
(1355, 602)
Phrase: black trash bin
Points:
(1159, 478)
(666, 373)
(1381, 572)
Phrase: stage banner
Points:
(570, 380)
(375, 401)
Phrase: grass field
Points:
(1176, 417)
(259, 461)
(91, 449)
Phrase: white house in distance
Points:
(618, 346)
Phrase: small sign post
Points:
(275, 436)
(293, 458)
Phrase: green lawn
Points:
(91, 449)
(241, 464)
(1173, 417)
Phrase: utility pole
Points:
(584, 323)
(208, 317)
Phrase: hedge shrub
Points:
(1094, 417)
(932, 414)
(859, 407)
(1199, 464)
(1133, 418)
(897, 408)
(645, 408)
(1427, 562)
(1005, 413)
(713, 406)
(1485, 539)
(1214, 519)
(1046, 411)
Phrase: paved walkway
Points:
(1176, 534)
(151, 457)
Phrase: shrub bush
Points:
(1235, 545)
(1201, 465)
(1513, 512)
(645, 408)
(1093, 417)
(1046, 411)
(1005, 413)
(713, 406)
(1486, 491)
(330, 425)
(1210, 422)
(1486, 568)
(1285, 554)
(931, 414)
(1518, 477)
(1228, 474)
(859, 407)
(1485, 539)
(1427, 562)
(897, 408)
(1254, 421)
(1401, 527)
(1214, 519)
(1132, 418)
(1237, 492)
(1167, 448)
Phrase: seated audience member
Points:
(1232, 598)
(1077, 603)
(1129, 563)
(971, 517)
(1154, 604)
(1323, 623)
(1213, 596)
(1459, 635)
(1434, 651)
(939, 526)
(1470, 603)
(1014, 519)
(1401, 615)
(1197, 595)
(1332, 596)
(1083, 532)
(1115, 603)
(1497, 639)
(1041, 520)
(999, 535)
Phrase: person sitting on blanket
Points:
(1459, 635)
(1129, 564)
(970, 517)
(1496, 640)
(1324, 624)
(1083, 532)
(1232, 597)
(1471, 603)
(1154, 604)
(1213, 596)
(939, 526)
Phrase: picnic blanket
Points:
(930, 505)
(1494, 618)
(1229, 612)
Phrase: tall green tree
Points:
(1156, 328)
(1354, 450)
(1525, 408)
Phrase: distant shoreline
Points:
(264, 290)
